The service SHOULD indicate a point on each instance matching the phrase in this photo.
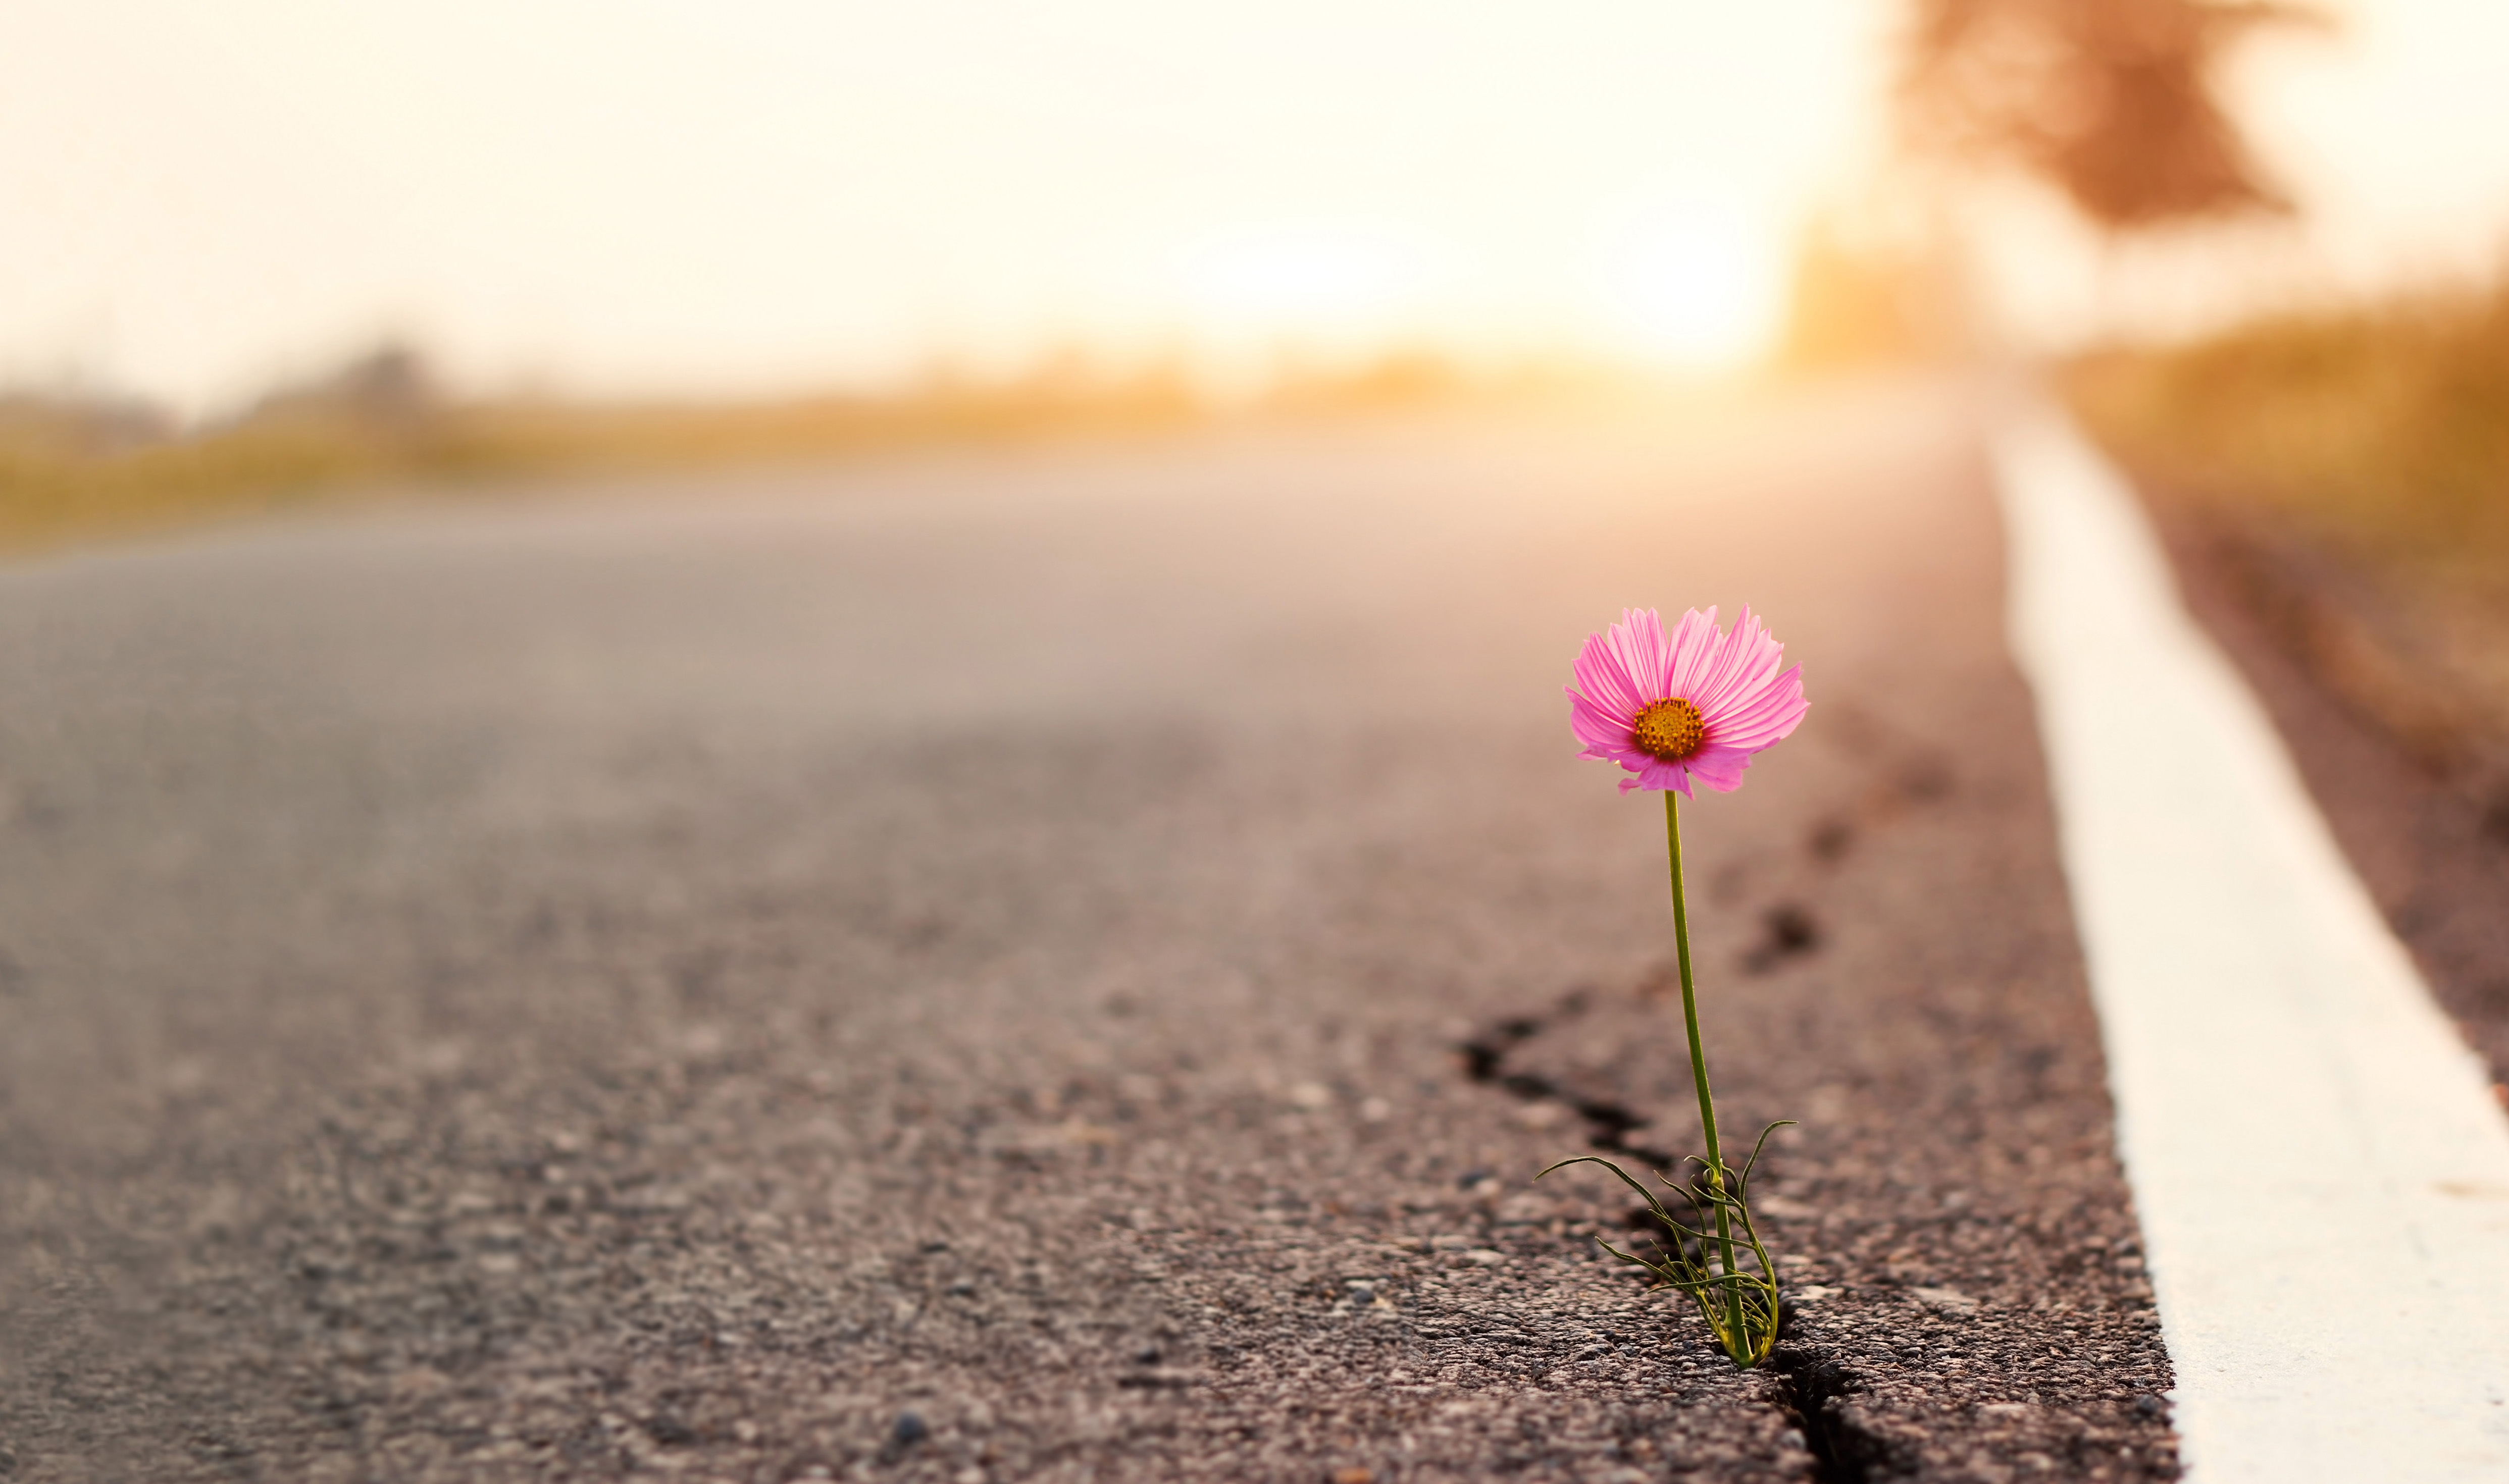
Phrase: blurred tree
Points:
(2110, 101)
(389, 387)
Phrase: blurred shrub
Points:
(2345, 477)
(2386, 426)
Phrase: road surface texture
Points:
(1055, 965)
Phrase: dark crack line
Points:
(1608, 1124)
(1807, 1385)
(1809, 1388)
(1788, 931)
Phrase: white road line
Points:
(2322, 1174)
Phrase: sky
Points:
(633, 197)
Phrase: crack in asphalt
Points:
(1808, 1388)
(1608, 1124)
(1807, 1385)
(1788, 930)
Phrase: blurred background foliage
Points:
(80, 467)
(2115, 103)
(2341, 473)
(2345, 476)
(2384, 427)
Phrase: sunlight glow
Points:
(1693, 284)
(1328, 280)
(757, 194)
(754, 195)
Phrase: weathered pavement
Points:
(976, 970)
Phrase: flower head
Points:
(1696, 705)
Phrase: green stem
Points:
(1699, 1064)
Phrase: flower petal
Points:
(1694, 644)
(1767, 717)
(1596, 726)
(1749, 657)
(1604, 671)
(1736, 678)
(1643, 651)
(1719, 767)
(1657, 775)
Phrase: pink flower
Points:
(1695, 706)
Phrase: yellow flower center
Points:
(1671, 729)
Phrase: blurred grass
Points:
(2384, 429)
(77, 470)
(2349, 471)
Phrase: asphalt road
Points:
(977, 968)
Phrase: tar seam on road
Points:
(2322, 1174)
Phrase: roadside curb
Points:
(2320, 1169)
